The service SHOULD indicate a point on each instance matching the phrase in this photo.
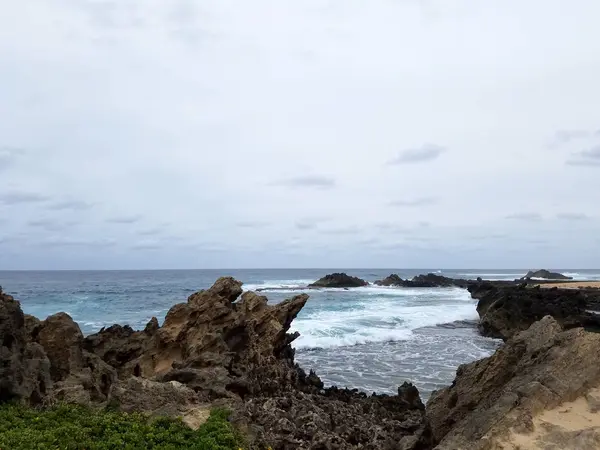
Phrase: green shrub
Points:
(69, 427)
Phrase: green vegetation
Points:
(68, 427)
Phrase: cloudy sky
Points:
(313, 133)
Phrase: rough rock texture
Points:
(24, 367)
(212, 350)
(218, 347)
(504, 311)
(546, 274)
(337, 419)
(170, 399)
(339, 280)
(494, 398)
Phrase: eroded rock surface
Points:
(500, 399)
(221, 348)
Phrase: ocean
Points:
(370, 338)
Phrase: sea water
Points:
(371, 338)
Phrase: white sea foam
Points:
(380, 318)
(278, 285)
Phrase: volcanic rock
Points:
(24, 367)
(430, 280)
(505, 311)
(514, 396)
(170, 399)
(390, 280)
(212, 342)
(216, 349)
(336, 419)
(545, 274)
(339, 280)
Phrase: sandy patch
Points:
(572, 285)
(571, 426)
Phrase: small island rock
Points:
(339, 280)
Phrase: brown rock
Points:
(210, 342)
(61, 339)
(171, 399)
(536, 370)
(24, 367)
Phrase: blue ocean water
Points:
(371, 338)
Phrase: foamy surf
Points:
(377, 316)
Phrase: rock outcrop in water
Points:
(504, 311)
(391, 280)
(430, 280)
(539, 391)
(221, 347)
(339, 280)
(545, 274)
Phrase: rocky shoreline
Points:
(226, 347)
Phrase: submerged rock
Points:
(501, 400)
(504, 311)
(545, 274)
(339, 280)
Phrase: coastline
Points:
(133, 366)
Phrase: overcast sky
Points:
(311, 133)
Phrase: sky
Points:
(140, 134)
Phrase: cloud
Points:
(50, 224)
(124, 220)
(16, 197)
(343, 230)
(8, 156)
(308, 181)
(589, 157)
(415, 202)
(525, 216)
(427, 152)
(74, 205)
(147, 246)
(302, 225)
(565, 136)
(572, 216)
(65, 241)
(252, 224)
(150, 232)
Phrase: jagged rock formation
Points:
(339, 280)
(545, 274)
(519, 397)
(24, 367)
(339, 419)
(504, 311)
(430, 280)
(212, 350)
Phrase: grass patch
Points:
(68, 427)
